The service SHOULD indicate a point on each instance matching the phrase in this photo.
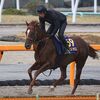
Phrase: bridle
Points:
(29, 38)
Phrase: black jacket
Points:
(54, 18)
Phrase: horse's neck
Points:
(42, 33)
(39, 47)
(42, 38)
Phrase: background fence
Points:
(53, 3)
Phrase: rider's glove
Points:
(51, 35)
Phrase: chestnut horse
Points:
(46, 56)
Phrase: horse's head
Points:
(33, 33)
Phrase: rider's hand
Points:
(52, 35)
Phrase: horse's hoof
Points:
(72, 94)
(52, 88)
(37, 83)
(30, 91)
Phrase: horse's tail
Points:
(92, 53)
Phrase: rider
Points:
(57, 22)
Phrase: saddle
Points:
(60, 49)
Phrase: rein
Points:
(43, 39)
(48, 74)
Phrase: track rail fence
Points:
(22, 48)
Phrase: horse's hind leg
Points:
(79, 66)
(62, 77)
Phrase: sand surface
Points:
(21, 91)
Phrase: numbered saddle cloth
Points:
(60, 49)
(71, 44)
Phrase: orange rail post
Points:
(53, 98)
(13, 48)
(95, 46)
(72, 70)
(1, 54)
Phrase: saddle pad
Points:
(60, 49)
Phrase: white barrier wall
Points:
(1, 7)
(17, 5)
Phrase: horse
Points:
(46, 56)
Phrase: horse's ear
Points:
(27, 23)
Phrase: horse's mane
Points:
(34, 22)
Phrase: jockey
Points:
(57, 22)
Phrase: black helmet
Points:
(41, 9)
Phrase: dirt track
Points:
(21, 91)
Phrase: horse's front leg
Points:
(61, 79)
(35, 66)
(40, 70)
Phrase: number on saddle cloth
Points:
(71, 44)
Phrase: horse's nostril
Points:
(27, 46)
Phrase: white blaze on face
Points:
(28, 31)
